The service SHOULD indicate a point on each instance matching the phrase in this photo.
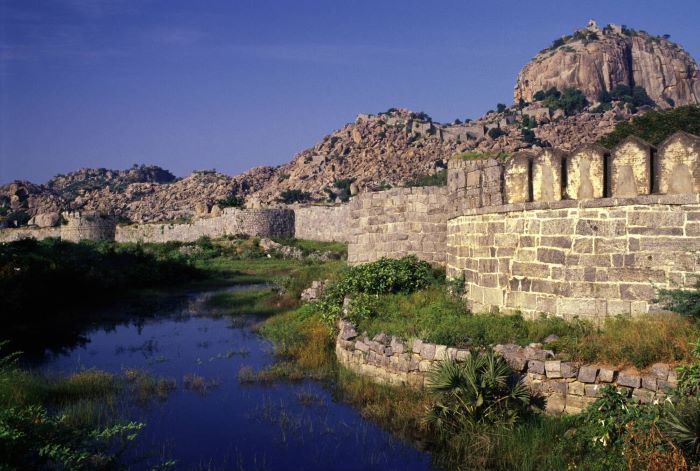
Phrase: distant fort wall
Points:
(233, 221)
(325, 223)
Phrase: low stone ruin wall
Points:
(325, 223)
(253, 222)
(399, 222)
(567, 387)
(15, 234)
(586, 259)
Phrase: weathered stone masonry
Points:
(233, 221)
(399, 222)
(568, 387)
(591, 233)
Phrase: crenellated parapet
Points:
(589, 233)
(632, 168)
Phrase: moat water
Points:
(227, 424)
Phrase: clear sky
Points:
(232, 84)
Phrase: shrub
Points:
(294, 195)
(495, 133)
(539, 95)
(231, 201)
(438, 178)
(655, 126)
(34, 439)
(572, 101)
(388, 275)
(528, 136)
(480, 390)
(682, 301)
(501, 107)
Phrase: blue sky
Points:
(235, 84)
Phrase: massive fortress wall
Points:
(589, 233)
(233, 221)
(399, 222)
(328, 223)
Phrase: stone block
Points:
(535, 366)
(649, 382)
(643, 395)
(629, 380)
(440, 352)
(593, 390)
(417, 346)
(569, 369)
(587, 374)
(660, 370)
(576, 388)
(555, 404)
(606, 375)
(427, 351)
(462, 355)
(553, 368)
(425, 365)
(576, 404)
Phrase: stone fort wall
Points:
(326, 223)
(591, 233)
(233, 221)
(399, 222)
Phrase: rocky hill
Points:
(594, 60)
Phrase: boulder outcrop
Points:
(595, 59)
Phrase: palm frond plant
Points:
(480, 390)
(682, 425)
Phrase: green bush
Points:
(231, 201)
(36, 275)
(682, 301)
(438, 178)
(294, 195)
(495, 133)
(655, 126)
(481, 390)
(388, 275)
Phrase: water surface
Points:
(228, 425)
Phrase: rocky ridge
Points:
(595, 60)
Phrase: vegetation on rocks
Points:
(655, 126)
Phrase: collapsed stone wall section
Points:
(568, 387)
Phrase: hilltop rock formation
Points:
(594, 59)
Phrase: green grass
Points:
(260, 302)
(435, 316)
